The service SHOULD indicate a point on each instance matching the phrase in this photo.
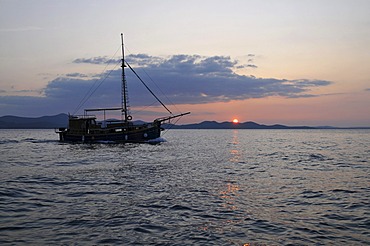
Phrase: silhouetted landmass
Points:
(230, 125)
(44, 122)
(61, 120)
(248, 125)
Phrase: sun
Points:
(235, 121)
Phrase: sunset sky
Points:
(290, 62)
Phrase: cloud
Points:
(186, 79)
(77, 75)
(249, 65)
(180, 79)
(96, 60)
(367, 89)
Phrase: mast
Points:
(124, 86)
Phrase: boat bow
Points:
(168, 118)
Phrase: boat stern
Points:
(62, 132)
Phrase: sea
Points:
(197, 187)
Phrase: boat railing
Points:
(85, 116)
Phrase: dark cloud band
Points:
(182, 79)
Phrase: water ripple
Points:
(200, 187)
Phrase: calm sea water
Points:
(202, 187)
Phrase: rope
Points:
(169, 100)
(148, 87)
(89, 93)
(172, 125)
(142, 68)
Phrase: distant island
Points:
(231, 125)
(61, 120)
(44, 122)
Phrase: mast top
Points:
(124, 105)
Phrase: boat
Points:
(87, 129)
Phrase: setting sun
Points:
(235, 121)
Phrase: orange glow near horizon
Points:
(235, 121)
(277, 110)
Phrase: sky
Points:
(272, 62)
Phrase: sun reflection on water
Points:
(234, 151)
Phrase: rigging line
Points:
(148, 87)
(172, 125)
(142, 108)
(88, 95)
(100, 84)
(160, 89)
(142, 68)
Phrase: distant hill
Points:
(248, 125)
(230, 125)
(44, 122)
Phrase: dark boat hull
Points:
(131, 136)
